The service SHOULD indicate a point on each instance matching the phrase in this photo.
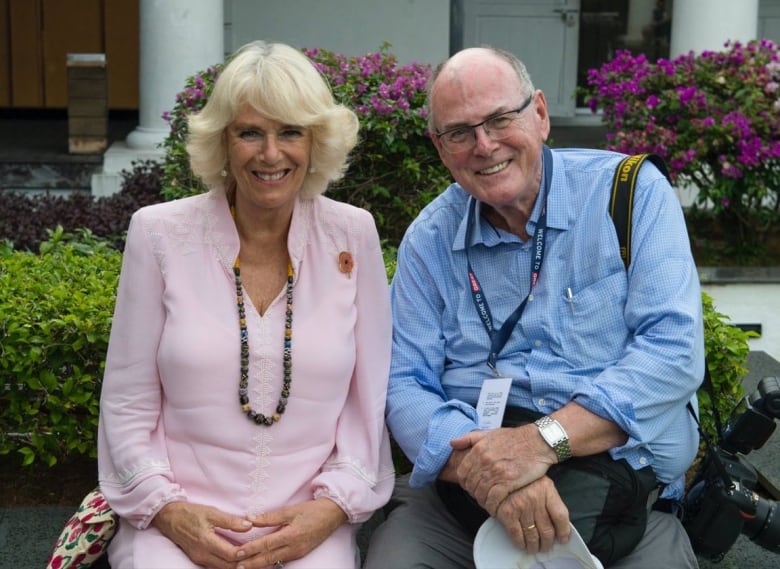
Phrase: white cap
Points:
(493, 549)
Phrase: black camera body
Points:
(722, 502)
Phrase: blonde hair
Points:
(281, 84)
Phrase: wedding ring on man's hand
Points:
(529, 528)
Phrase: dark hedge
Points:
(24, 220)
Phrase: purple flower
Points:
(712, 112)
(686, 94)
(738, 122)
(729, 170)
(751, 152)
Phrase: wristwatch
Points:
(554, 435)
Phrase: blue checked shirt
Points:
(626, 345)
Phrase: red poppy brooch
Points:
(346, 263)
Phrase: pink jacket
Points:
(171, 426)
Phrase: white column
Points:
(177, 39)
(699, 25)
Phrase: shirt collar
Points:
(485, 233)
(557, 211)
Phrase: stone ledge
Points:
(726, 275)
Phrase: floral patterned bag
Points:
(86, 534)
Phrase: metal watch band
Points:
(559, 443)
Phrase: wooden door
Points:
(75, 26)
(5, 56)
(122, 34)
(41, 33)
(26, 57)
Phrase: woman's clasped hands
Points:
(200, 531)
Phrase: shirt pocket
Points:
(592, 329)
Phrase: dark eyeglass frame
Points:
(472, 128)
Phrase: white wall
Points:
(698, 26)
(418, 30)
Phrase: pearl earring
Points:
(223, 173)
(312, 170)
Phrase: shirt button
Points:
(542, 403)
(643, 460)
(537, 343)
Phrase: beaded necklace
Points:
(243, 391)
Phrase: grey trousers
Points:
(419, 533)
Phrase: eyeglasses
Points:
(463, 138)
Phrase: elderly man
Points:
(511, 301)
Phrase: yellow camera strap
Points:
(621, 203)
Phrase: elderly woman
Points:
(242, 411)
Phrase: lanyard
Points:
(499, 338)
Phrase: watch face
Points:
(554, 431)
(555, 436)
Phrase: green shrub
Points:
(727, 350)
(726, 347)
(390, 253)
(55, 316)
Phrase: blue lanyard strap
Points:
(499, 338)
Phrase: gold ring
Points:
(529, 528)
